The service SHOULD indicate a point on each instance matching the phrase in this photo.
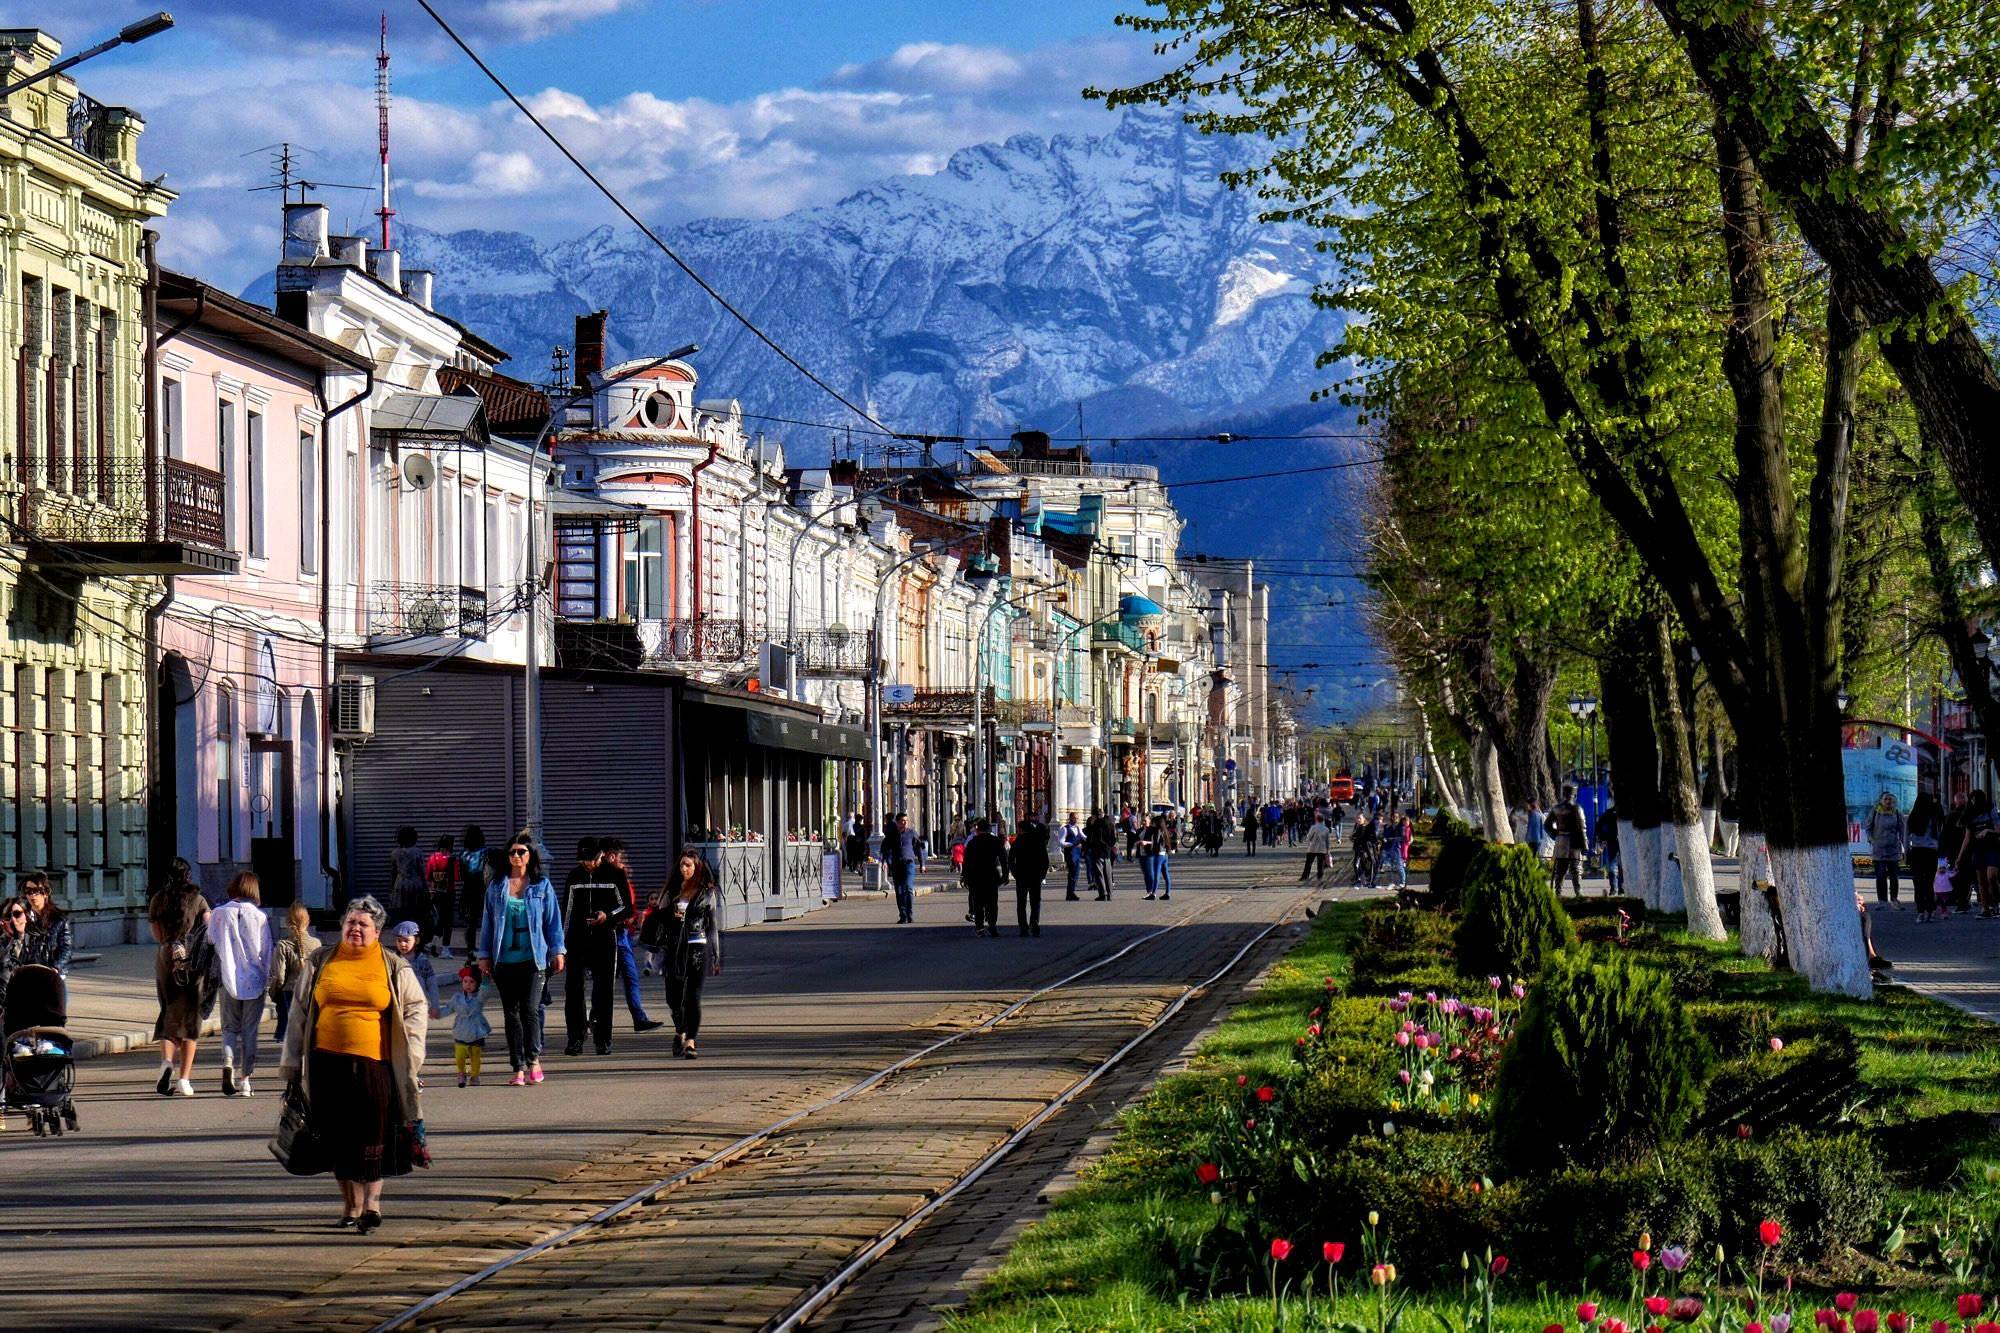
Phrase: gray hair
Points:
(366, 906)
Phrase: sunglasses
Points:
(517, 851)
(18, 912)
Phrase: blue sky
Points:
(690, 107)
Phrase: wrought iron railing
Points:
(695, 639)
(419, 610)
(1064, 467)
(835, 650)
(1018, 712)
(83, 499)
(938, 706)
(1124, 726)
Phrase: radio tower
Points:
(382, 125)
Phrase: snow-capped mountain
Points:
(1115, 271)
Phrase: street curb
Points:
(134, 1039)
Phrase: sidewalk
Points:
(112, 1004)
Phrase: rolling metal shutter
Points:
(605, 762)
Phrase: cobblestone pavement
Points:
(168, 1212)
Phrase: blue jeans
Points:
(904, 873)
(628, 971)
(1392, 865)
(1075, 863)
(1159, 874)
(1150, 868)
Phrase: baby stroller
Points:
(35, 1052)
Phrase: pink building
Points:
(242, 779)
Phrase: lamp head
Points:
(151, 26)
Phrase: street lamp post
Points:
(137, 31)
(532, 702)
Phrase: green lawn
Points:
(1096, 1261)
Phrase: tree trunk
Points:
(1687, 875)
(1759, 933)
(1441, 780)
(1486, 785)
(1635, 758)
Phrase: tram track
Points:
(434, 1308)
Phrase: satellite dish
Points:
(419, 472)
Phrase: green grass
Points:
(1091, 1263)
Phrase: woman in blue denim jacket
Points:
(520, 939)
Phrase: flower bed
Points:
(1365, 1123)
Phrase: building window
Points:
(225, 773)
(253, 481)
(497, 562)
(171, 425)
(1125, 543)
(472, 569)
(308, 503)
(225, 463)
(1155, 550)
(645, 571)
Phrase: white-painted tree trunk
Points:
(1492, 795)
(1698, 883)
(1759, 933)
(1642, 862)
(1822, 925)
(1668, 893)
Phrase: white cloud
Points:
(481, 165)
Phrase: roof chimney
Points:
(417, 286)
(590, 345)
(843, 472)
(305, 233)
(387, 266)
(351, 251)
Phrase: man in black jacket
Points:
(985, 870)
(1100, 844)
(1029, 860)
(595, 905)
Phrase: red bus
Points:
(1341, 788)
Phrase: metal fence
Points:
(415, 610)
(695, 639)
(116, 500)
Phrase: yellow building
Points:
(93, 522)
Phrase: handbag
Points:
(296, 1145)
(658, 929)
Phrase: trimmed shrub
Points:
(1448, 867)
(1827, 1190)
(1733, 1028)
(1605, 1065)
(1511, 921)
(1569, 1220)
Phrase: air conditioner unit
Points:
(353, 708)
(775, 665)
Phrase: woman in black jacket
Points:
(694, 946)
(50, 938)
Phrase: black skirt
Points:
(354, 1114)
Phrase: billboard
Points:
(1874, 761)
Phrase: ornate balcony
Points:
(1024, 713)
(106, 516)
(835, 652)
(695, 639)
(426, 610)
(937, 706)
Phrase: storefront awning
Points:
(1134, 607)
(779, 728)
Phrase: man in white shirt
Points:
(241, 938)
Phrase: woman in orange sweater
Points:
(355, 1045)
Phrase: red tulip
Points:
(1553, 1328)
(1641, 1260)
(1499, 1265)
(1969, 1305)
(1267, 1093)
(1846, 1301)
(1753, 1327)
(1655, 1328)
(1769, 1232)
(1939, 1326)
(1824, 1318)
(1208, 1173)
(1313, 1031)
(1281, 1249)
(1586, 1312)
(1241, 1079)
(1685, 1310)
(1866, 1321)
(1743, 1131)
(1656, 1306)
(1899, 1322)
(1332, 1251)
(1251, 1123)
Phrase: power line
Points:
(645, 230)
